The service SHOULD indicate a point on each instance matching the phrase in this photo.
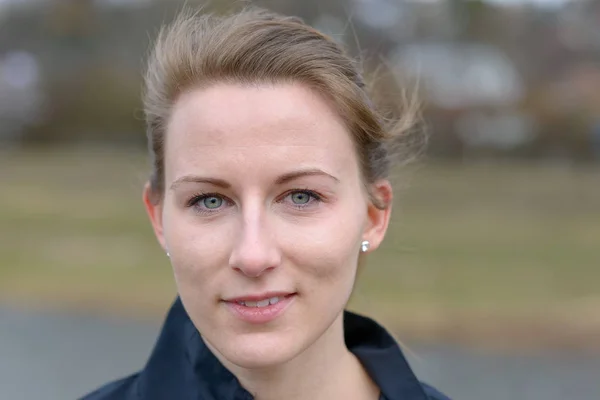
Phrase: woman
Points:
(269, 186)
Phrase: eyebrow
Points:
(290, 176)
(285, 178)
(200, 179)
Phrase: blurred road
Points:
(58, 357)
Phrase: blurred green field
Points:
(479, 241)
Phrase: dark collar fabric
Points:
(182, 367)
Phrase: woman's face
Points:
(263, 215)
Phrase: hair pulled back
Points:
(255, 46)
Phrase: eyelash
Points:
(201, 196)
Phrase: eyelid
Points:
(196, 198)
(199, 196)
(314, 195)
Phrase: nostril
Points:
(255, 251)
(253, 271)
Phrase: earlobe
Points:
(378, 218)
(154, 211)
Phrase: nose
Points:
(255, 251)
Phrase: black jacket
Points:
(181, 367)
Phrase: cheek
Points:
(198, 252)
(327, 249)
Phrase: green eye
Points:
(300, 198)
(212, 202)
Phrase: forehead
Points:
(274, 126)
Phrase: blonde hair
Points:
(256, 46)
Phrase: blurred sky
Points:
(543, 3)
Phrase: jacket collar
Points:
(181, 366)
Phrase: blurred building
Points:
(21, 97)
(579, 25)
(502, 78)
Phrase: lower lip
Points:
(260, 315)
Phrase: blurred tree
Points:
(71, 20)
(90, 55)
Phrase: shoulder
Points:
(432, 393)
(122, 389)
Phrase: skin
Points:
(264, 193)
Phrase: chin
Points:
(260, 350)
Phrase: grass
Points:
(466, 241)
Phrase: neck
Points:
(326, 370)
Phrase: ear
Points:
(378, 218)
(155, 211)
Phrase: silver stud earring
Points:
(364, 246)
(168, 255)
